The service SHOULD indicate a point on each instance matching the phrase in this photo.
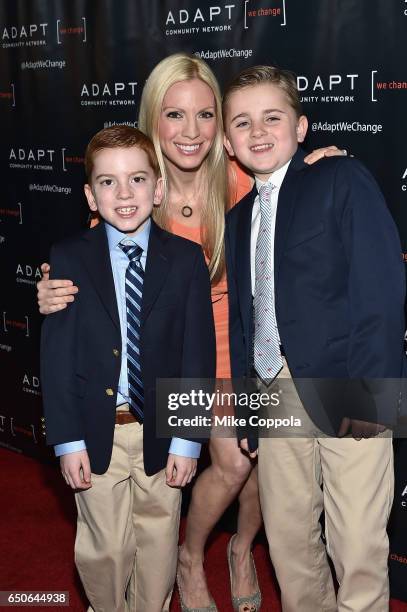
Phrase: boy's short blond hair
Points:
(257, 75)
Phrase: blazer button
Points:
(42, 419)
(116, 352)
(109, 391)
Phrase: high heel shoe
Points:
(250, 600)
(211, 608)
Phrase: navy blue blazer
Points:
(81, 345)
(339, 285)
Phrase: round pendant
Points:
(186, 211)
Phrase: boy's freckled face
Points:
(262, 128)
(123, 188)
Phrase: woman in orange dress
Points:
(181, 112)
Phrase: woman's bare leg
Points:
(248, 525)
(213, 492)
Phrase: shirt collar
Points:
(276, 178)
(114, 236)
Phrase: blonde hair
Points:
(257, 75)
(173, 69)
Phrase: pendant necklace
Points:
(186, 211)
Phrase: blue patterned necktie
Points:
(266, 353)
(134, 294)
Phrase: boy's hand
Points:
(75, 468)
(359, 429)
(244, 445)
(54, 295)
(317, 154)
(180, 470)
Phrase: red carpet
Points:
(38, 530)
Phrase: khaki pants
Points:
(128, 530)
(357, 495)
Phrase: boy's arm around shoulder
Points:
(58, 346)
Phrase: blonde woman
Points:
(181, 112)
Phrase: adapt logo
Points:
(41, 158)
(21, 325)
(108, 94)
(8, 95)
(41, 34)
(275, 9)
(31, 384)
(31, 159)
(404, 498)
(328, 88)
(64, 30)
(14, 213)
(27, 35)
(204, 19)
(345, 87)
(27, 274)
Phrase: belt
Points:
(124, 416)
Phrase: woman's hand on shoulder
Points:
(54, 295)
(317, 154)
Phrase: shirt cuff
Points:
(185, 448)
(69, 447)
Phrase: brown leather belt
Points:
(124, 416)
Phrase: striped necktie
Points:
(134, 294)
(266, 352)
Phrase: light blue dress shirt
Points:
(120, 261)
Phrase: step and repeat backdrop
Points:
(68, 68)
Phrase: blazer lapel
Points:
(157, 268)
(243, 259)
(286, 205)
(96, 259)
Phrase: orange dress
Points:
(219, 292)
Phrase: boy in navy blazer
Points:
(316, 294)
(144, 312)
